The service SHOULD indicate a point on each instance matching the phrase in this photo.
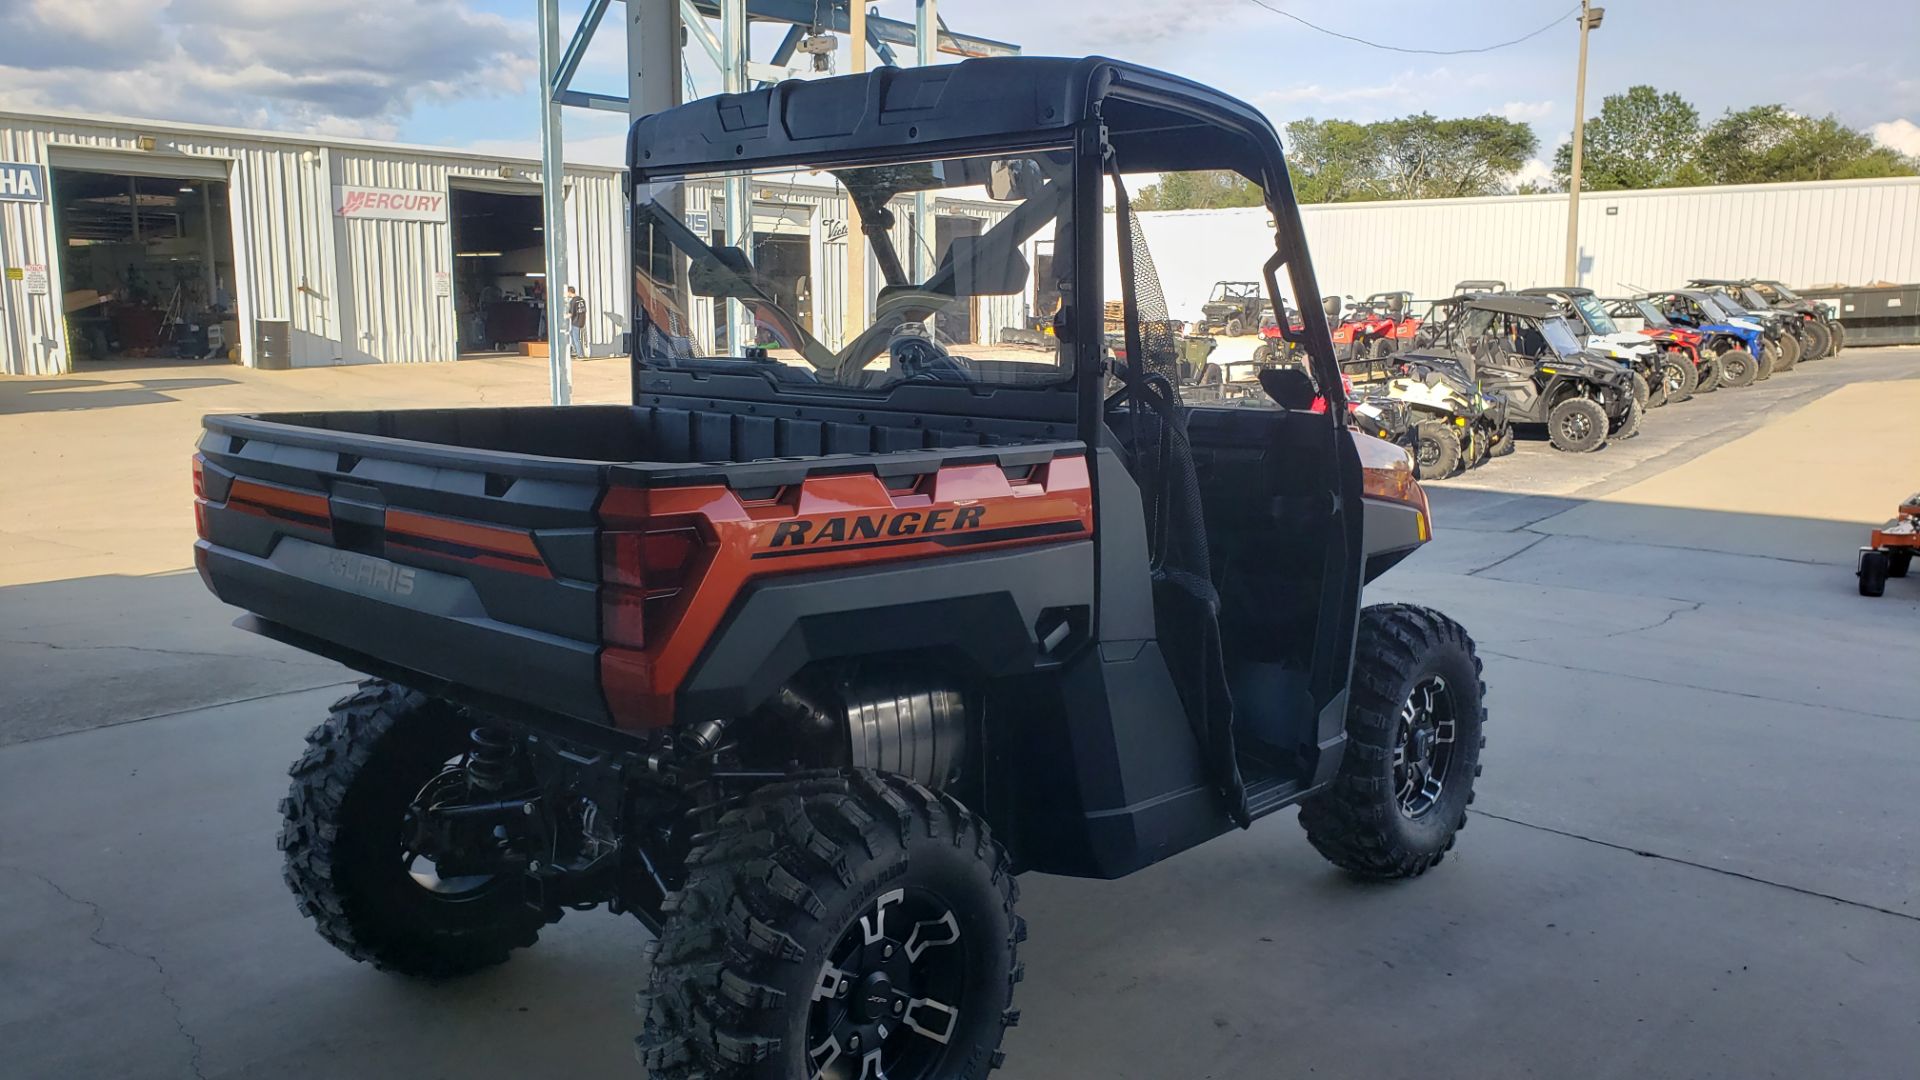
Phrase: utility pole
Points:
(1589, 20)
(739, 197)
(926, 44)
(553, 201)
(855, 318)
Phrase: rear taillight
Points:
(645, 565)
(200, 496)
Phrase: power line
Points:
(1424, 52)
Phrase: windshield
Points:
(1753, 299)
(1652, 314)
(1785, 293)
(961, 268)
(1595, 313)
(1559, 336)
(1723, 306)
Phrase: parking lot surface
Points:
(1692, 854)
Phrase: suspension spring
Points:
(490, 761)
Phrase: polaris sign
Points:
(389, 204)
(22, 183)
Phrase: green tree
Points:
(1329, 160)
(1413, 157)
(1768, 144)
(1199, 190)
(1423, 157)
(1641, 139)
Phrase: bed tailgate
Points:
(472, 567)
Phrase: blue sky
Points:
(459, 72)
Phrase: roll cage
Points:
(1105, 115)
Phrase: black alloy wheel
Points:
(837, 926)
(889, 996)
(1423, 749)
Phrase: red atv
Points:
(1364, 333)
(1398, 306)
(1688, 370)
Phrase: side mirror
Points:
(1331, 305)
(1014, 180)
(709, 281)
(1288, 387)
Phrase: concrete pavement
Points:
(1691, 855)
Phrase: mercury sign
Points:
(22, 183)
(389, 204)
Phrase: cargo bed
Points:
(459, 549)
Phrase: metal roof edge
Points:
(150, 126)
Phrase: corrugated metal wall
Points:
(351, 291)
(1851, 231)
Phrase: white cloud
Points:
(1412, 89)
(1526, 112)
(1535, 171)
(1400, 86)
(337, 66)
(1902, 135)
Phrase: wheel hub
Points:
(1423, 751)
(888, 998)
(875, 1000)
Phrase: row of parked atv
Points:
(1452, 383)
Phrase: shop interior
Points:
(499, 270)
(146, 267)
(782, 257)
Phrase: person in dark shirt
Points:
(576, 321)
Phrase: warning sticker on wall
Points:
(36, 277)
(14, 273)
(442, 283)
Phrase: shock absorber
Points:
(490, 761)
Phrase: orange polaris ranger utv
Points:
(804, 654)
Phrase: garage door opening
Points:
(782, 257)
(499, 271)
(955, 322)
(146, 267)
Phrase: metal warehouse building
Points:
(1840, 231)
(128, 239)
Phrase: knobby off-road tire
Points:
(1436, 450)
(1577, 425)
(343, 839)
(1709, 375)
(1362, 821)
(1791, 349)
(745, 965)
(1503, 442)
(1235, 327)
(1820, 341)
(1642, 392)
(1656, 388)
(1627, 424)
(1769, 359)
(1899, 562)
(1681, 377)
(1738, 367)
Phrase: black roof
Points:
(1530, 307)
(1557, 290)
(989, 102)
